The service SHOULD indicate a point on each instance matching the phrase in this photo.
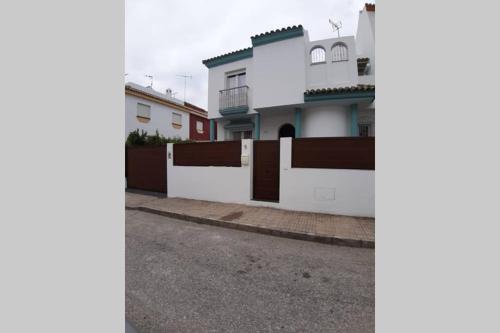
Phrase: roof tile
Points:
(339, 90)
(267, 33)
(225, 55)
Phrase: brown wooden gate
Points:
(266, 170)
(146, 168)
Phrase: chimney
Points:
(369, 7)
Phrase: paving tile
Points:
(270, 218)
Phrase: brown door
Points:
(266, 170)
(146, 168)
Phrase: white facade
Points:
(150, 110)
(279, 69)
(326, 120)
(279, 73)
(332, 74)
(160, 119)
(365, 43)
(272, 121)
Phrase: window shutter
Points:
(143, 110)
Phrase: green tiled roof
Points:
(277, 35)
(359, 91)
(228, 57)
(359, 87)
(264, 38)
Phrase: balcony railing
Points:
(233, 100)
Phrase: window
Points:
(236, 80)
(339, 52)
(176, 120)
(143, 111)
(317, 55)
(364, 129)
(236, 92)
(199, 126)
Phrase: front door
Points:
(266, 170)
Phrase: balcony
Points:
(233, 101)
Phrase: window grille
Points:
(317, 55)
(339, 52)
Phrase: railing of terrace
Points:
(233, 97)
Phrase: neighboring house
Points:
(287, 85)
(199, 127)
(150, 110)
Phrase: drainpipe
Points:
(298, 122)
(354, 120)
(212, 130)
(257, 126)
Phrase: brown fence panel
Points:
(224, 153)
(126, 161)
(334, 153)
(266, 170)
(147, 168)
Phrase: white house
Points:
(286, 85)
(150, 110)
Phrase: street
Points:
(188, 277)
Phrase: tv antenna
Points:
(185, 80)
(336, 26)
(151, 78)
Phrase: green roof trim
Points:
(234, 110)
(277, 35)
(264, 38)
(240, 124)
(359, 91)
(228, 57)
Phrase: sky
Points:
(171, 37)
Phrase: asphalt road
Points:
(188, 277)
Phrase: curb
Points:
(261, 230)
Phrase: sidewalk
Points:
(324, 228)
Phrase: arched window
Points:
(339, 52)
(317, 55)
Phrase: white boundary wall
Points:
(333, 191)
(222, 184)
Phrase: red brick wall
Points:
(193, 134)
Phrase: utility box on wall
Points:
(244, 159)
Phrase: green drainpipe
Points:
(354, 120)
(298, 122)
(257, 126)
(212, 130)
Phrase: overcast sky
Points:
(166, 38)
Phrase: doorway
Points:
(286, 131)
(266, 170)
